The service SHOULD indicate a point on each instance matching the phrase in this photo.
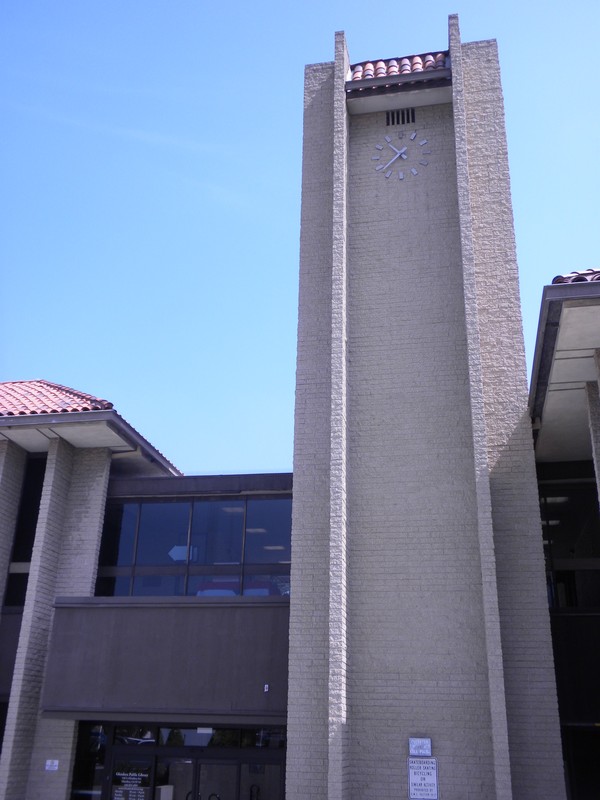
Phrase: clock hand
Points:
(394, 149)
(390, 162)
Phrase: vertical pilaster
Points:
(338, 666)
(482, 485)
(307, 768)
(55, 739)
(526, 651)
(29, 663)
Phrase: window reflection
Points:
(134, 734)
(268, 531)
(214, 585)
(217, 532)
(163, 533)
(88, 771)
(209, 547)
(118, 536)
(157, 585)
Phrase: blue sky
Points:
(150, 196)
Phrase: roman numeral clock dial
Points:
(402, 156)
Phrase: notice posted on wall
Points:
(422, 778)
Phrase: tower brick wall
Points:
(416, 530)
(530, 687)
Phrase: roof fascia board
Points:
(112, 419)
(553, 298)
(388, 81)
(242, 484)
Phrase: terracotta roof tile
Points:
(578, 276)
(19, 398)
(426, 62)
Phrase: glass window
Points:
(268, 531)
(29, 509)
(214, 585)
(163, 533)
(185, 737)
(217, 532)
(134, 734)
(204, 547)
(16, 589)
(158, 585)
(118, 537)
(273, 738)
(266, 585)
(113, 586)
(88, 770)
(3, 713)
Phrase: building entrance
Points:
(197, 779)
(201, 763)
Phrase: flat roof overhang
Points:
(400, 91)
(106, 429)
(568, 336)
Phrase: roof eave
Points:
(109, 416)
(553, 297)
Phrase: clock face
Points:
(402, 156)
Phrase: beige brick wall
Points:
(308, 701)
(63, 561)
(418, 466)
(418, 660)
(532, 711)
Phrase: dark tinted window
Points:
(118, 537)
(268, 531)
(217, 532)
(29, 509)
(163, 533)
(206, 547)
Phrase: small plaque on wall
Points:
(419, 747)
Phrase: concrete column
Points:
(63, 561)
(12, 470)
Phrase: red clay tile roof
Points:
(408, 65)
(19, 398)
(579, 276)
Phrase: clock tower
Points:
(420, 654)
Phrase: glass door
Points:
(217, 781)
(188, 777)
(174, 779)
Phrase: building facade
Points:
(174, 638)
(415, 509)
(144, 625)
